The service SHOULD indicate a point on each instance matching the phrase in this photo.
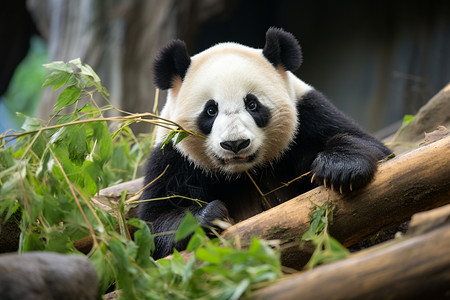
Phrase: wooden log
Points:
(414, 268)
(416, 181)
(429, 220)
(433, 114)
(109, 197)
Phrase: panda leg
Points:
(348, 162)
(170, 220)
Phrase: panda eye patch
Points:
(207, 117)
(260, 113)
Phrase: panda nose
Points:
(235, 146)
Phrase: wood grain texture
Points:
(414, 268)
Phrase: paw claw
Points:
(340, 189)
(313, 177)
(325, 182)
(351, 187)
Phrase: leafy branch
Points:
(327, 249)
(132, 117)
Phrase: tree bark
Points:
(409, 268)
(430, 116)
(414, 182)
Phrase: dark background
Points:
(376, 60)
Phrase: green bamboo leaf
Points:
(84, 81)
(144, 241)
(177, 265)
(56, 79)
(207, 255)
(59, 66)
(87, 70)
(69, 96)
(30, 123)
(73, 80)
(6, 159)
(197, 239)
(76, 62)
(168, 138)
(240, 289)
(189, 270)
(100, 261)
(406, 120)
(90, 185)
(181, 135)
(187, 226)
(104, 142)
(338, 249)
(119, 252)
(91, 171)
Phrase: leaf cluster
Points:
(49, 173)
(327, 248)
(215, 270)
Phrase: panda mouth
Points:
(238, 159)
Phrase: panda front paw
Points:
(343, 172)
(215, 210)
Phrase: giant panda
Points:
(256, 124)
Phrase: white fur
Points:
(226, 73)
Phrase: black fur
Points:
(334, 147)
(206, 120)
(172, 61)
(282, 48)
(328, 143)
(183, 179)
(257, 110)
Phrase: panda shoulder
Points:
(299, 87)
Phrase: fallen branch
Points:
(410, 268)
(414, 182)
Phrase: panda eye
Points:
(251, 102)
(252, 105)
(211, 111)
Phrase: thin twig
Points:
(198, 201)
(135, 117)
(259, 190)
(288, 183)
(151, 182)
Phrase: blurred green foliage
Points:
(24, 90)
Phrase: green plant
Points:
(327, 249)
(50, 171)
(407, 119)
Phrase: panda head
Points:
(239, 98)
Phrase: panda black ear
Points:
(172, 61)
(282, 48)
